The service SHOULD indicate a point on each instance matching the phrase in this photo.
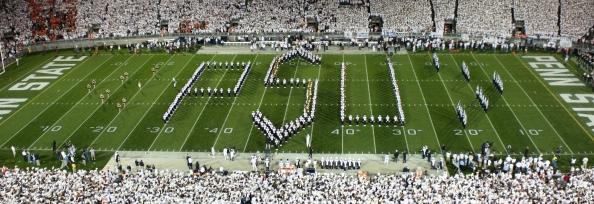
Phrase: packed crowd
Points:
(25, 22)
(324, 12)
(350, 19)
(15, 27)
(544, 22)
(484, 17)
(444, 9)
(265, 16)
(406, 16)
(576, 17)
(199, 16)
(210, 186)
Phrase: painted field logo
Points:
(553, 71)
(37, 81)
(49, 72)
(557, 75)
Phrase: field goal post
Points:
(2, 58)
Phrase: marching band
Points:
(396, 93)
(462, 114)
(498, 82)
(183, 92)
(271, 79)
(276, 136)
(465, 71)
(483, 100)
(436, 61)
(342, 94)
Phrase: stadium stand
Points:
(484, 17)
(475, 178)
(404, 15)
(538, 23)
(209, 186)
(28, 21)
(444, 9)
(576, 17)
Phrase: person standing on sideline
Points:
(13, 149)
(24, 154)
(267, 164)
(189, 161)
(253, 161)
(386, 159)
(212, 151)
(225, 153)
(232, 154)
(92, 153)
(117, 158)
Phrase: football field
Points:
(59, 107)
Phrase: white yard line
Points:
(252, 128)
(313, 123)
(512, 111)
(403, 129)
(199, 115)
(540, 80)
(406, 139)
(62, 78)
(342, 125)
(28, 72)
(370, 109)
(149, 109)
(425, 101)
(72, 108)
(487, 115)
(290, 93)
(93, 113)
(259, 105)
(48, 106)
(453, 104)
(229, 113)
(537, 108)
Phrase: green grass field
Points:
(529, 114)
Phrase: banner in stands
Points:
(362, 34)
(389, 34)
